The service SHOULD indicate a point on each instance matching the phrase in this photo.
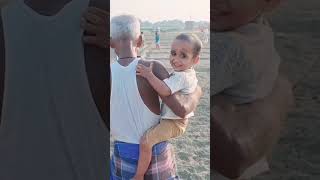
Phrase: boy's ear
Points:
(197, 59)
(112, 43)
(139, 41)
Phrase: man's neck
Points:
(126, 50)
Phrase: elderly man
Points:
(135, 105)
(53, 91)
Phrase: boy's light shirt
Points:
(245, 63)
(183, 81)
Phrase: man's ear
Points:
(139, 41)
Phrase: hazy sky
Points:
(157, 10)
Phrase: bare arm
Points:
(94, 23)
(2, 63)
(246, 134)
(180, 104)
(157, 84)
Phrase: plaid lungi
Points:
(125, 160)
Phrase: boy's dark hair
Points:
(194, 40)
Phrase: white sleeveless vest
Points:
(51, 128)
(130, 117)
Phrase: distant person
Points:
(185, 53)
(142, 45)
(206, 35)
(143, 39)
(246, 63)
(157, 38)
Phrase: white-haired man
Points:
(134, 105)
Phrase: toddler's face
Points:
(230, 14)
(181, 55)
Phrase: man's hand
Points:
(94, 22)
(145, 71)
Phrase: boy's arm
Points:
(157, 84)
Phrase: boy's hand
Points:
(144, 71)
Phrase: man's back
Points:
(130, 116)
(134, 109)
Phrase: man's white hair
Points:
(125, 27)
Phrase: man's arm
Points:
(157, 84)
(243, 136)
(96, 54)
(2, 63)
(95, 22)
(180, 104)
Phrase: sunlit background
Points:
(159, 10)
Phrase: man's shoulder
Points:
(159, 69)
(156, 64)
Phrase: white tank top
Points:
(49, 118)
(130, 117)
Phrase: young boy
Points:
(185, 53)
(245, 62)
